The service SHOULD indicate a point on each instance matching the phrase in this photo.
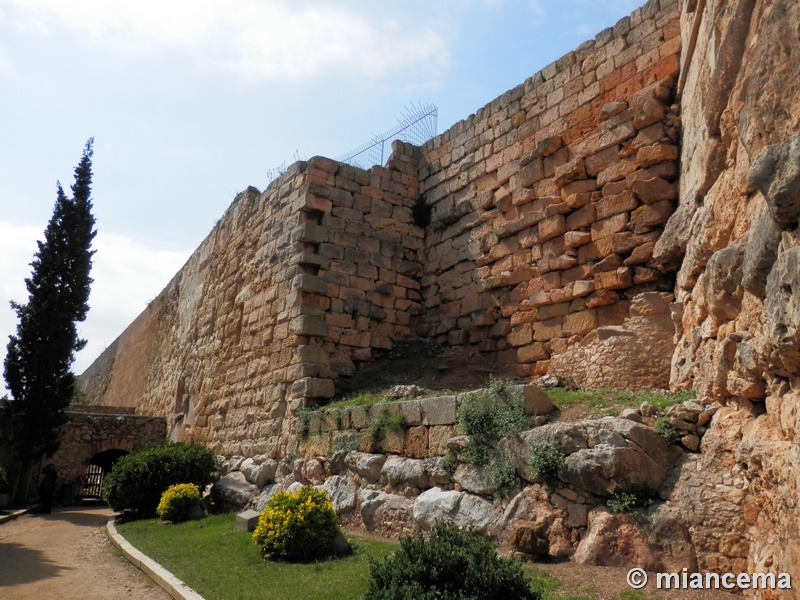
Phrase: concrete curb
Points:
(171, 584)
(18, 514)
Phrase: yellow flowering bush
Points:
(177, 501)
(297, 525)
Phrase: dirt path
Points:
(67, 555)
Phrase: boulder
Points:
(530, 537)
(314, 471)
(366, 465)
(536, 402)
(775, 172)
(233, 491)
(259, 474)
(465, 509)
(342, 492)
(474, 478)
(386, 512)
(398, 470)
(631, 414)
(600, 454)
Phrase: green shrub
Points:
(628, 499)
(303, 423)
(487, 417)
(347, 442)
(451, 564)
(667, 431)
(298, 525)
(177, 502)
(449, 463)
(546, 459)
(138, 480)
(504, 474)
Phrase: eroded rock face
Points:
(738, 334)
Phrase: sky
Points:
(190, 102)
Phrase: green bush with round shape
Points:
(137, 480)
(297, 525)
(178, 501)
(452, 564)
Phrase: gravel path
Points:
(67, 555)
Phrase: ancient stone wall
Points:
(293, 288)
(547, 203)
(358, 286)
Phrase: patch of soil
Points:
(427, 365)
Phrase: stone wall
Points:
(358, 287)
(293, 288)
(548, 201)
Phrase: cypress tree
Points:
(38, 365)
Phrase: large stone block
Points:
(439, 411)
(247, 520)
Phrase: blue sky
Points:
(191, 102)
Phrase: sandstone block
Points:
(551, 227)
(438, 436)
(574, 239)
(569, 172)
(313, 387)
(614, 205)
(580, 323)
(614, 280)
(520, 335)
(651, 215)
(651, 155)
(616, 172)
(647, 112)
(532, 353)
(601, 160)
(439, 411)
(609, 226)
(654, 189)
(247, 520)
(583, 217)
(547, 330)
(416, 442)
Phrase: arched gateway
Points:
(93, 439)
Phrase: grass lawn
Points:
(221, 563)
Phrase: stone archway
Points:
(97, 436)
(99, 466)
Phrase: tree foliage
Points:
(38, 364)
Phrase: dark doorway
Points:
(100, 465)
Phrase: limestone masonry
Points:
(627, 217)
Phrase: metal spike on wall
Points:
(417, 126)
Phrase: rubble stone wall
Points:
(547, 202)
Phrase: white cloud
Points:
(127, 275)
(255, 39)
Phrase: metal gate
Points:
(93, 484)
